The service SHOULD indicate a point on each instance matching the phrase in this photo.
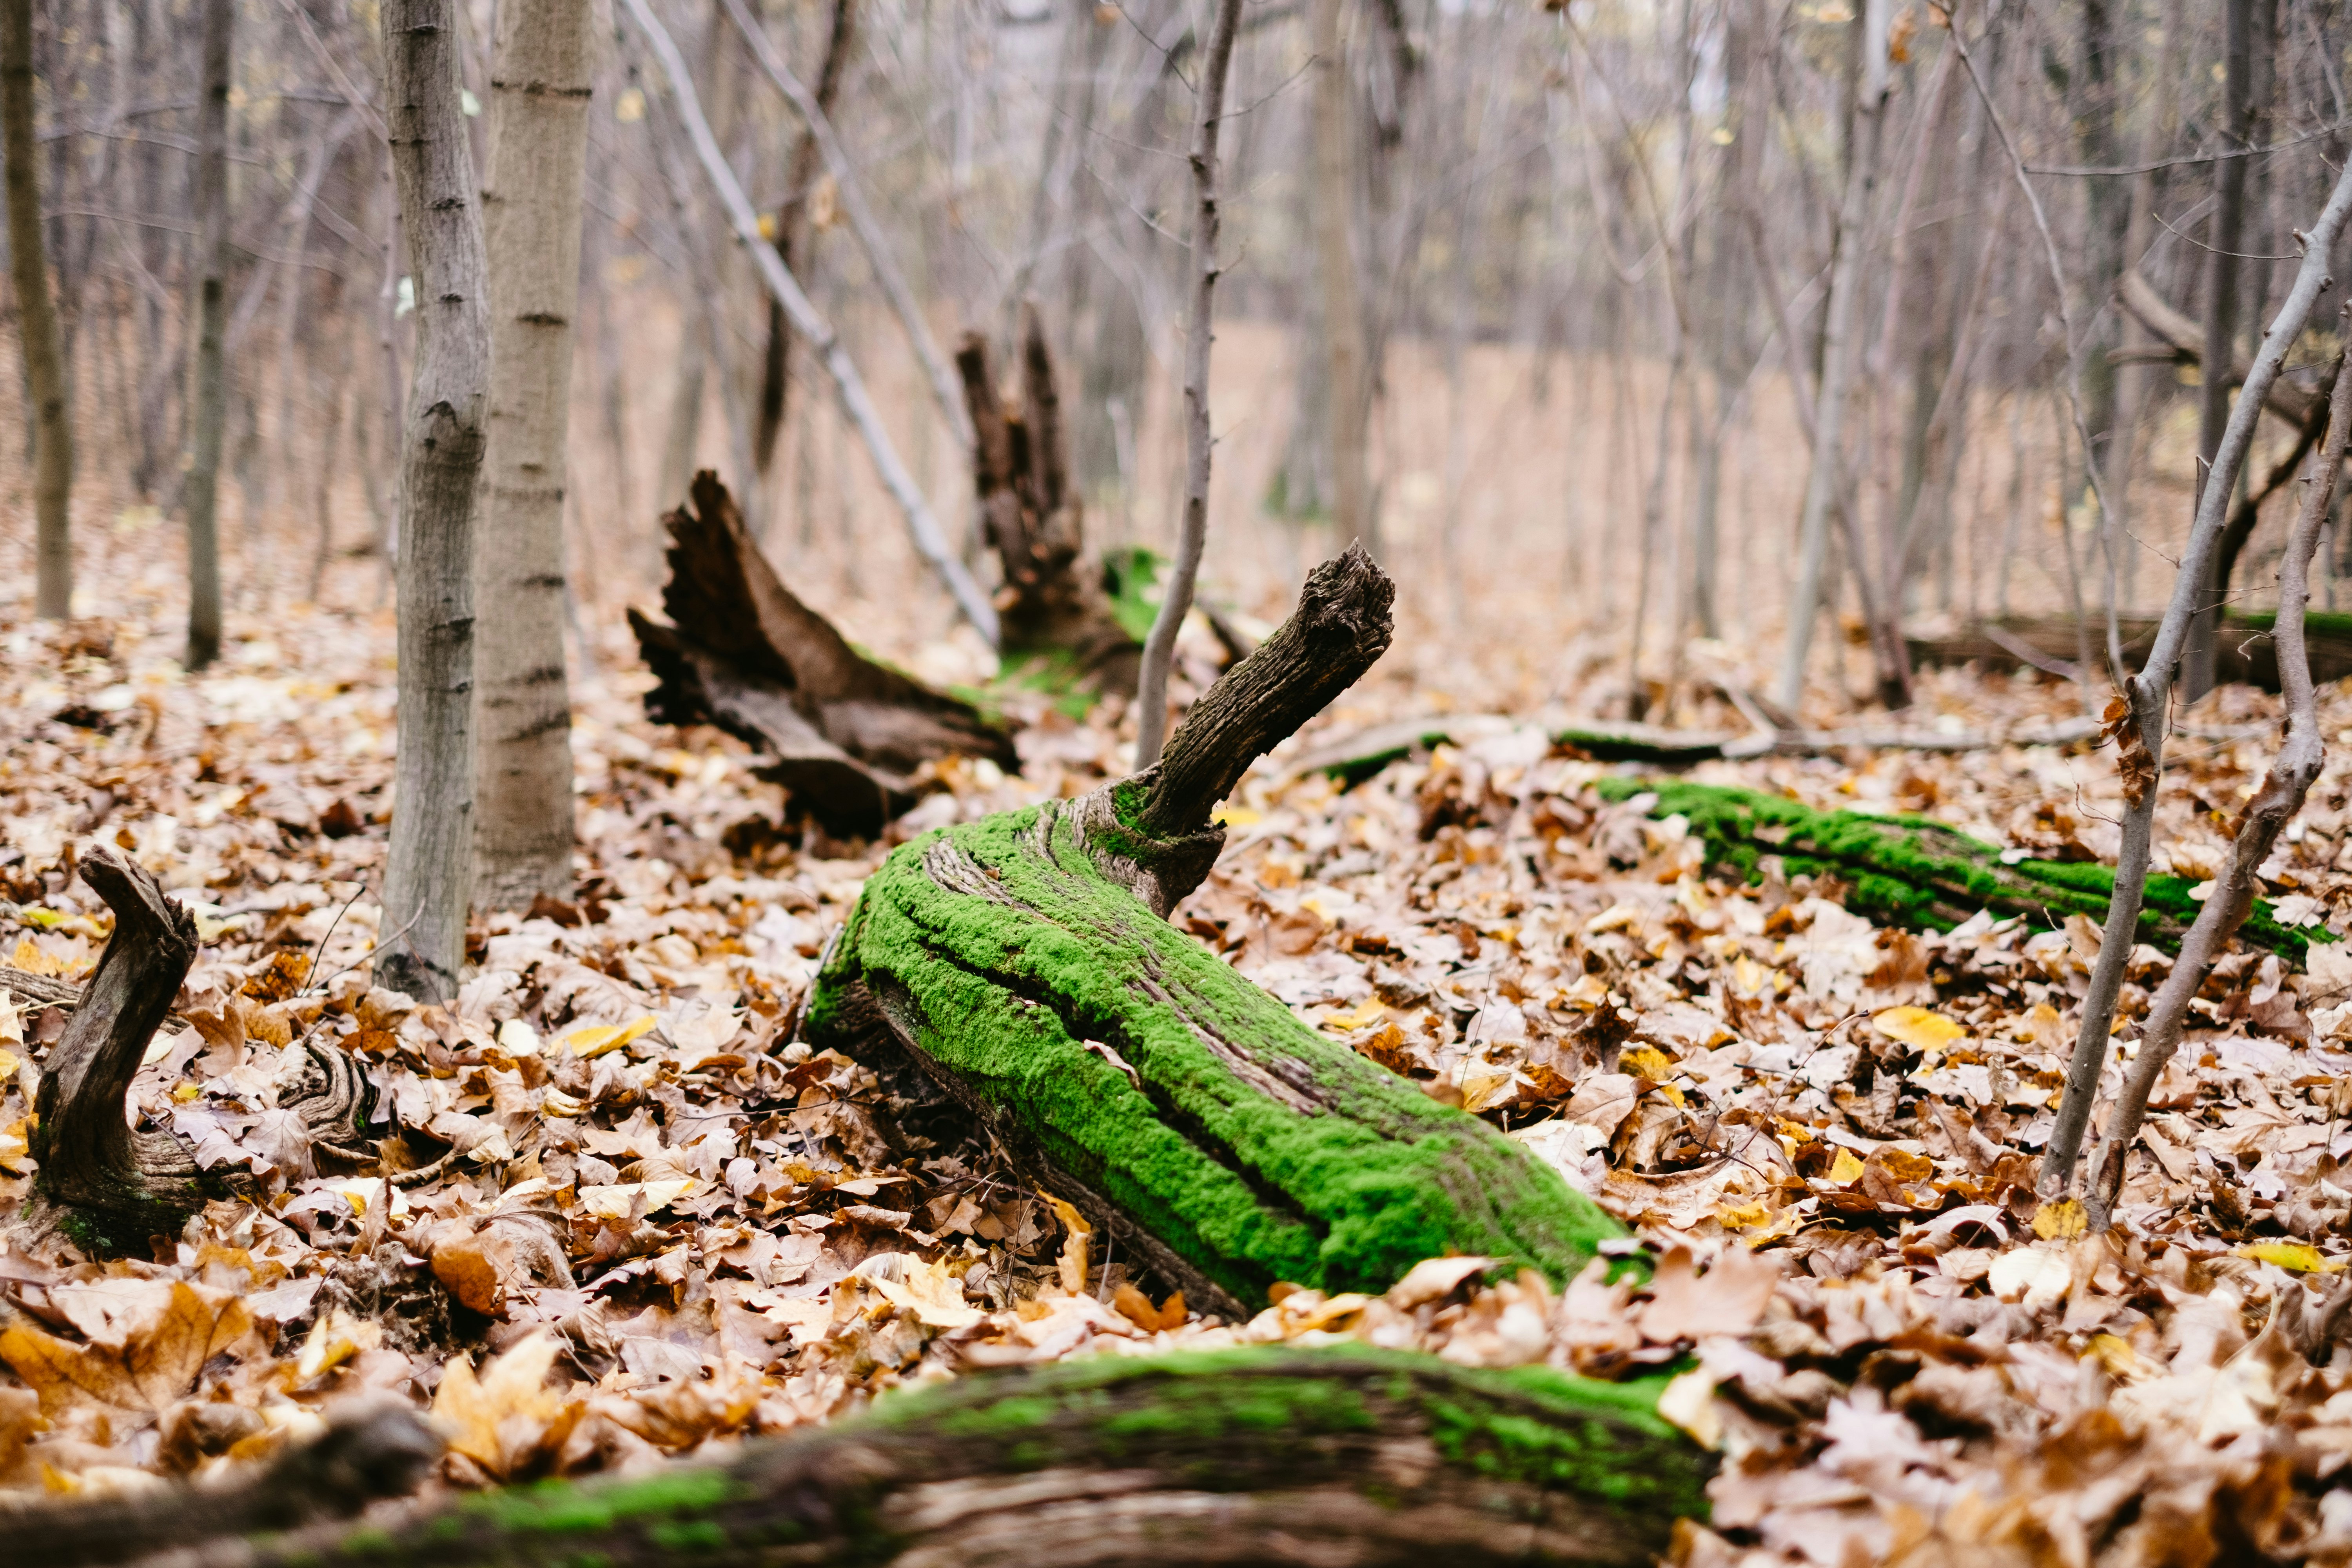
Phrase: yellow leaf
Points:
(507, 1413)
(1845, 1169)
(334, 1340)
(1741, 1217)
(597, 1038)
(153, 1352)
(928, 1291)
(12, 1029)
(1073, 1260)
(1919, 1028)
(1370, 1010)
(2060, 1220)
(2116, 1355)
(2296, 1256)
(30, 958)
(1238, 817)
(1646, 1061)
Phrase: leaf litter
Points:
(613, 1211)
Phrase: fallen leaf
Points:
(598, 1038)
(154, 1352)
(2059, 1219)
(1918, 1027)
(1072, 1263)
(2298, 1257)
(506, 1414)
(1434, 1279)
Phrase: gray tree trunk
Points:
(431, 866)
(1335, 248)
(540, 95)
(209, 397)
(45, 367)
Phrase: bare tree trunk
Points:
(209, 395)
(1176, 595)
(430, 868)
(540, 95)
(2228, 239)
(1837, 351)
(1335, 246)
(45, 366)
(795, 233)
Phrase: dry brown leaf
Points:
(155, 1355)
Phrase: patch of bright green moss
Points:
(576, 1508)
(1258, 1149)
(1131, 577)
(1908, 870)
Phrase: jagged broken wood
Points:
(1061, 628)
(1910, 871)
(1025, 963)
(102, 1183)
(1252, 1455)
(843, 734)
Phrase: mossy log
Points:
(842, 732)
(102, 1183)
(1337, 1456)
(1059, 609)
(1025, 963)
(1908, 870)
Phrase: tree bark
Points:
(1251, 1455)
(795, 231)
(539, 98)
(1024, 963)
(209, 397)
(2227, 239)
(1200, 331)
(1846, 283)
(45, 361)
(1334, 203)
(429, 873)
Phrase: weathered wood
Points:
(1271, 1455)
(1060, 632)
(842, 732)
(1913, 872)
(1024, 961)
(105, 1186)
(2245, 654)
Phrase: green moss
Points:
(578, 1508)
(1131, 577)
(1256, 1148)
(1907, 871)
(687, 1535)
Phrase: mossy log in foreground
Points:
(1340, 1456)
(1025, 963)
(1910, 871)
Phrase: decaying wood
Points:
(2246, 654)
(1056, 609)
(1024, 961)
(842, 733)
(1344, 1456)
(102, 1183)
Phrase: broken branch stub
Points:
(842, 733)
(1059, 629)
(1024, 963)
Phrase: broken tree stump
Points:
(1910, 871)
(1025, 963)
(843, 733)
(1062, 629)
(1275, 1454)
(103, 1184)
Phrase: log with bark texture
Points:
(1059, 629)
(1347, 1457)
(101, 1183)
(1910, 871)
(2245, 654)
(842, 733)
(1025, 963)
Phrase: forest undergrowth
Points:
(621, 1213)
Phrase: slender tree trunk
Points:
(1335, 248)
(1846, 285)
(1176, 595)
(430, 869)
(2228, 239)
(45, 365)
(209, 395)
(795, 233)
(540, 95)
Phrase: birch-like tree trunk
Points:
(540, 95)
(430, 871)
(208, 394)
(1846, 283)
(44, 360)
(1335, 250)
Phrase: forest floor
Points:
(667, 1226)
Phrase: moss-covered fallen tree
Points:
(1026, 964)
(1910, 871)
(1263, 1454)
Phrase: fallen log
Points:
(1914, 872)
(1344, 1456)
(101, 1184)
(2244, 654)
(843, 733)
(1062, 632)
(1025, 964)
